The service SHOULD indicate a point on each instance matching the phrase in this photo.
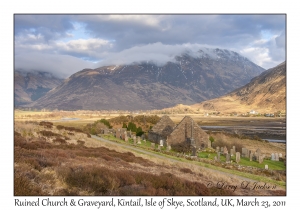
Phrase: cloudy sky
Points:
(65, 44)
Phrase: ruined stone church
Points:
(186, 132)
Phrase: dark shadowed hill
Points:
(30, 86)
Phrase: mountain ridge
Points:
(145, 85)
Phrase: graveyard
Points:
(247, 163)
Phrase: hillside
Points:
(187, 80)
(265, 93)
(30, 86)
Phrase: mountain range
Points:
(188, 79)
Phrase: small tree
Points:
(124, 125)
(211, 139)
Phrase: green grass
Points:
(273, 165)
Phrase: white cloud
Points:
(91, 47)
(59, 65)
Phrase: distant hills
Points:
(264, 93)
(189, 79)
(30, 86)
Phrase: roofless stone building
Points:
(187, 132)
(161, 130)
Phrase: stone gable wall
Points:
(184, 130)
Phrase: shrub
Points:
(186, 170)
(80, 142)
(24, 187)
(59, 141)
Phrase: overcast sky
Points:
(65, 44)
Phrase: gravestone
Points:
(231, 152)
(258, 152)
(266, 167)
(245, 152)
(193, 151)
(228, 157)
(251, 156)
(219, 153)
(260, 159)
(217, 149)
(276, 157)
(233, 147)
(225, 151)
(209, 144)
(161, 142)
(153, 145)
(118, 134)
(222, 150)
(273, 156)
(126, 138)
(168, 147)
(216, 159)
(237, 157)
(139, 140)
(134, 140)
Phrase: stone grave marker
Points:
(245, 152)
(209, 144)
(228, 158)
(193, 151)
(219, 153)
(231, 152)
(139, 140)
(237, 157)
(251, 156)
(258, 152)
(217, 149)
(222, 150)
(161, 142)
(276, 157)
(273, 156)
(260, 159)
(126, 138)
(153, 145)
(266, 167)
(118, 134)
(216, 159)
(225, 151)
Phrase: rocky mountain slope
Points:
(190, 79)
(265, 93)
(30, 86)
